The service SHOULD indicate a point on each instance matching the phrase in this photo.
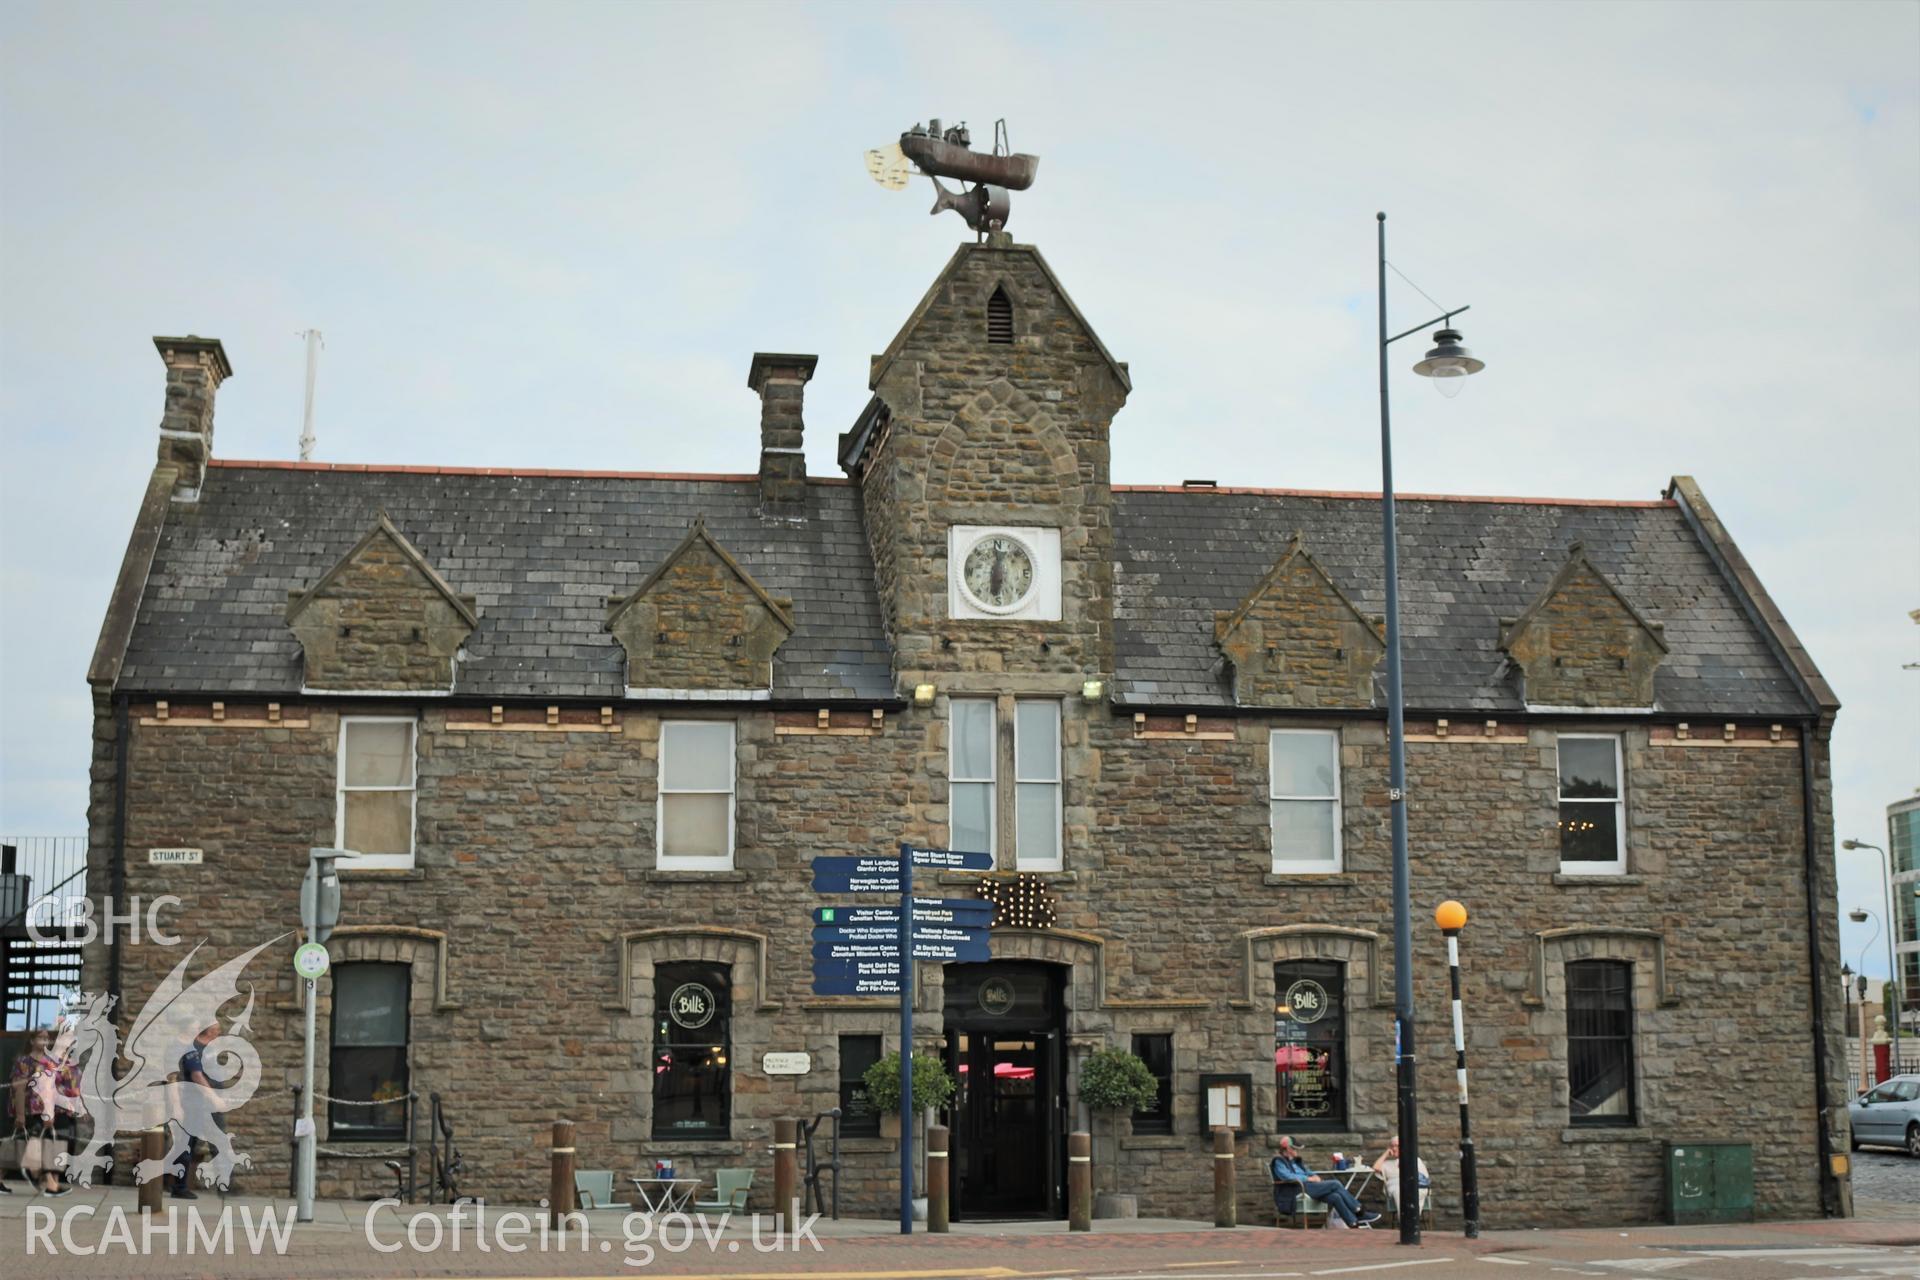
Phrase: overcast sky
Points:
(552, 236)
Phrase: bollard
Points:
(1079, 1181)
(937, 1171)
(786, 1172)
(153, 1145)
(1225, 1204)
(560, 1194)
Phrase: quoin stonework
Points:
(591, 729)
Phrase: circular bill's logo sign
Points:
(996, 996)
(310, 961)
(691, 1005)
(1306, 1001)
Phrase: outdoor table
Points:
(1356, 1178)
(664, 1195)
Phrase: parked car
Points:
(1888, 1115)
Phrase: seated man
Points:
(1289, 1169)
(1387, 1168)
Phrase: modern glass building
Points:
(1903, 847)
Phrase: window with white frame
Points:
(373, 812)
(696, 796)
(1593, 827)
(970, 774)
(1036, 785)
(1304, 781)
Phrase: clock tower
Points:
(982, 461)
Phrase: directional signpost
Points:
(869, 951)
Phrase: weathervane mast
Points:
(947, 153)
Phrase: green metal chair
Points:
(730, 1188)
(594, 1188)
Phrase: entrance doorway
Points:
(1005, 1025)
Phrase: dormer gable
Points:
(381, 619)
(1582, 643)
(700, 623)
(1297, 640)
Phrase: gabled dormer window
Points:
(1000, 317)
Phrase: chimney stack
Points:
(781, 381)
(195, 369)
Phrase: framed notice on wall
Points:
(1227, 1100)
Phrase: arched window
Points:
(1000, 317)
(692, 1039)
(369, 1058)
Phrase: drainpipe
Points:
(1829, 1184)
(117, 871)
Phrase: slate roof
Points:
(540, 553)
(1464, 564)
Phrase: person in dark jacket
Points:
(1292, 1179)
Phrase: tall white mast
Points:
(313, 367)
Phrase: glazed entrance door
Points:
(1004, 1048)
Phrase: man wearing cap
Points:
(1291, 1178)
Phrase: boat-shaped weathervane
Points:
(948, 153)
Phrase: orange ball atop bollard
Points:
(1451, 916)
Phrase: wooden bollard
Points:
(1079, 1181)
(938, 1169)
(786, 1171)
(560, 1193)
(1225, 1204)
(153, 1145)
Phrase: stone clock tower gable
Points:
(991, 412)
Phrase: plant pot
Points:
(1109, 1204)
(890, 1124)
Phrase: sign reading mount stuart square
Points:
(950, 859)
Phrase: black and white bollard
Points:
(1452, 917)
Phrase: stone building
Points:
(592, 727)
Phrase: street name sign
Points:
(878, 967)
(950, 859)
(856, 986)
(962, 911)
(856, 875)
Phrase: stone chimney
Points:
(781, 381)
(195, 369)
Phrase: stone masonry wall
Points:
(1298, 643)
(535, 890)
(1583, 648)
(698, 626)
(380, 625)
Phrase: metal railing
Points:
(43, 882)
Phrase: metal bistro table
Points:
(664, 1195)
(1356, 1178)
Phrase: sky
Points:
(553, 235)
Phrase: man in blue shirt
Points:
(1292, 1178)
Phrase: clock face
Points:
(998, 571)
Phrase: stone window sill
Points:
(1300, 880)
(858, 1146)
(693, 1147)
(1156, 1142)
(1605, 1133)
(390, 875)
(1561, 878)
(658, 876)
(973, 877)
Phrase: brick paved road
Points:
(1881, 1175)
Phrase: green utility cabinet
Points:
(1709, 1182)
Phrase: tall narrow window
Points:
(1305, 795)
(692, 1046)
(1310, 1044)
(1593, 832)
(1600, 1042)
(971, 753)
(859, 1118)
(1157, 1052)
(368, 1061)
(1036, 791)
(1000, 317)
(373, 814)
(696, 795)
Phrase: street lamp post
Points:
(1451, 916)
(1860, 915)
(1893, 972)
(1446, 362)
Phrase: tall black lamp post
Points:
(1446, 363)
(1895, 998)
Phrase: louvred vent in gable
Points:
(1000, 317)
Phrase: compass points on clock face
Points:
(998, 572)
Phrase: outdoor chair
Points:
(730, 1188)
(1426, 1208)
(1305, 1207)
(594, 1187)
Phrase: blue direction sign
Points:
(889, 935)
(856, 875)
(950, 859)
(962, 952)
(961, 911)
(856, 951)
(856, 986)
(883, 967)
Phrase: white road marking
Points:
(1379, 1266)
(1195, 1275)
(1816, 1251)
(1511, 1262)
